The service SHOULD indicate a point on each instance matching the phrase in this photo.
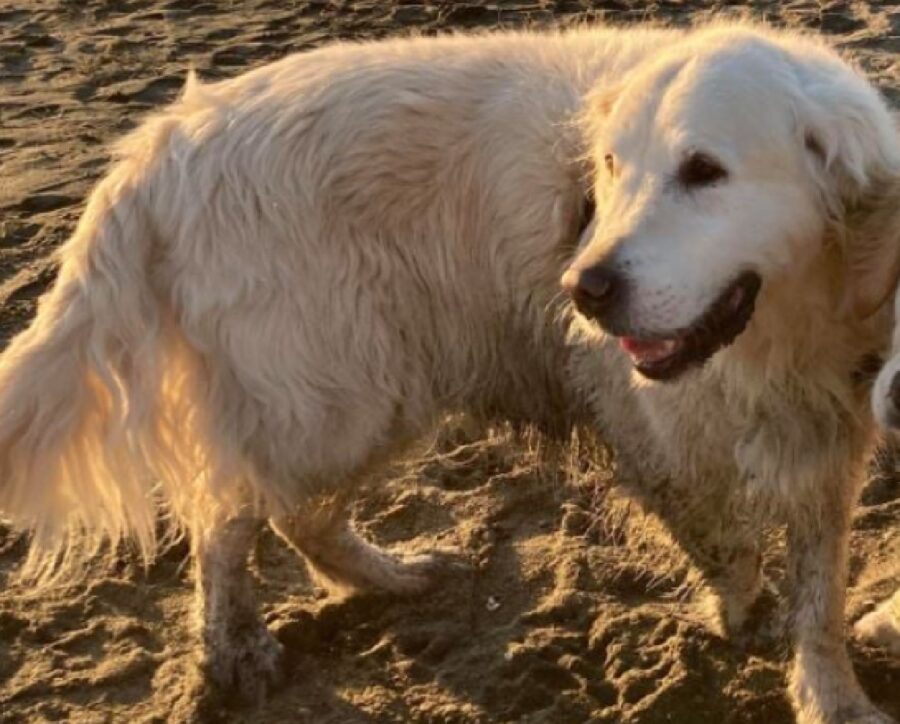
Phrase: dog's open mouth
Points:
(665, 357)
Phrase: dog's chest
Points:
(776, 442)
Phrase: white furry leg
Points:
(347, 562)
(881, 627)
(240, 655)
(823, 686)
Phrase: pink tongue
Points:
(649, 350)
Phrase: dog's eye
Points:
(610, 162)
(698, 169)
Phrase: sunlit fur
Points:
(288, 276)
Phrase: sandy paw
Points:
(824, 691)
(755, 625)
(879, 628)
(763, 625)
(246, 665)
(862, 714)
(411, 575)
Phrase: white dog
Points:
(882, 626)
(288, 276)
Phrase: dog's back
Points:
(335, 247)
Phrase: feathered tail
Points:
(94, 422)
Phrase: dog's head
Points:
(719, 167)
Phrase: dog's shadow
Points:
(558, 616)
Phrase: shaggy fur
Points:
(289, 276)
(881, 627)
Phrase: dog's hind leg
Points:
(881, 627)
(239, 653)
(345, 561)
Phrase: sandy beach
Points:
(576, 607)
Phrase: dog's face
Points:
(708, 185)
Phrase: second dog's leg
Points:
(239, 652)
(823, 685)
(881, 627)
(346, 561)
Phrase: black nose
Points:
(894, 393)
(594, 289)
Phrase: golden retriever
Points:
(288, 276)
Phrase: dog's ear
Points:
(872, 248)
(592, 119)
(854, 153)
(850, 137)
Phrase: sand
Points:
(576, 607)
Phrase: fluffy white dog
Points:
(288, 276)
(882, 626)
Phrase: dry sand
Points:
(574, 609)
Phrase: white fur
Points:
(881, 626)
(886, 412)
(290, 275)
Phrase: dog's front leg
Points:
(240, 655)
(823, 685)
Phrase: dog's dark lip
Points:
(722, 323)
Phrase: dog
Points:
(881, 627)
(288, 277)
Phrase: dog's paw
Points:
(824, 691)
(246, 664)
(860, 713)
(763, 625)
(411, 575)
(880, 628)
(754, 624)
